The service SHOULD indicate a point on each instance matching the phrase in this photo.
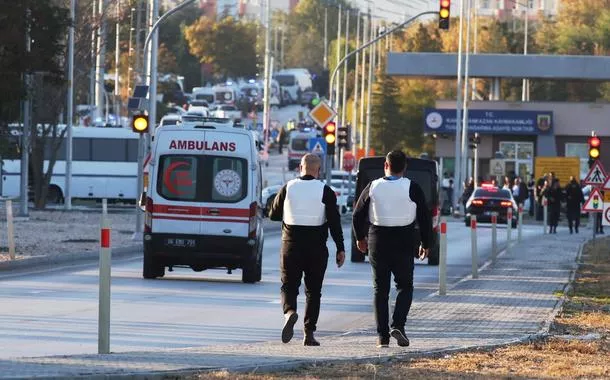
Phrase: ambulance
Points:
(202, 203)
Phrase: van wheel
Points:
(433, 257)
(151, 268)
(356, 256)
(252, 271)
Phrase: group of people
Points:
(384, 224)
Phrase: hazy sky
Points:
(395, 10)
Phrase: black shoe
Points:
(400, 336)
(288, 330)
(570, 231)
(309, 340)
(576, 229)
(383, 342)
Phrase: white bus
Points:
(104, 165)
(293, 83)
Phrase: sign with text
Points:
(563, 167)
(490, 122)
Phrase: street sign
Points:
(322, 114)
(606, 186)
(349, 161)
(317, 145)
(595, 203)
(597, 175)
(606, 215)
(497, 167)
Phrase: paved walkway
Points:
(510, 301)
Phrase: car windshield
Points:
(492, 193)
(199, 103)
(285, 80)
(169, 121)
(228, 108)
(207, 97)
(299, 144)
(422, 177)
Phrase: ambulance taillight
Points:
(148, 214)
(252, 221)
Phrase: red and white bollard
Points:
(509, 227)
(442, 260)
(494, 237)
(103, 339)
(519, 223)
(473, 244)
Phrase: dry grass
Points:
(587, 311)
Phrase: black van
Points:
(421, 171)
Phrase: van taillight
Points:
(148, 215)
(436, 218)
(252, 220)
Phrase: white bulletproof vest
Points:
(390, 203)
(303, 204)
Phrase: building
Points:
(517, 132)
(508, 9)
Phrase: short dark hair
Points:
(397, 160)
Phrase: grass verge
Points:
(579, 345)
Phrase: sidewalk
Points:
(511, 301)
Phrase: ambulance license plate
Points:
(183, 243)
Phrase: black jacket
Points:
(423, 216)
(574, 195)
(311, 233)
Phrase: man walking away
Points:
(574, 198)
(387, 211)
(553, 193)
(307, 208)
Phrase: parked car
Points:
(170, 119)
(227, 111)
(200, 106)
(488, 199)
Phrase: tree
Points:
(228, 45)
(387, 127)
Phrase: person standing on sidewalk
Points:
(308, 209)
(281, 139)
(386, 212)
(553, 193)
(574, 198)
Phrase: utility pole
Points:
(154, 71)
(100, 62)
(367, 139)
(130, 52)
(355, 104)
(25, 133)
(282, 64)
(458, 118)
(117, 57)
(326, 38)
(344, 101)
(70, 108)
(365, 33)
(465, 97)
(475, 46)
(92, 81)
(267, 75)
(525, 95)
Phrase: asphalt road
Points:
(54, 312)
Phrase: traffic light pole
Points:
(366, 45)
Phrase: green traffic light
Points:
(315, 101)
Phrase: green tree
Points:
(228, 45)
(387, 127)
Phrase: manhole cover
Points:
(80, 241)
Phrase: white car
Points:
(170, 119)
(227, 111)
(199, 106)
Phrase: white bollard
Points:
(473, 244)
(494, 237)
(520, 223)
(103, 343)
(545, 213)
(10, 229)
(442, 260)
(509, 228)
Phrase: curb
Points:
(75, 257)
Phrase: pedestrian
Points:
(384, 224)
(468, 190)
(540, 183)
(281, 138)
(307, 209)
(574, 198)
(553, 194)
(599, 224)
(531, 186)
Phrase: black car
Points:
(488, 199)
(421, 171)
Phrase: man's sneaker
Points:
(400, 336)
(383, 341)
(288, 330)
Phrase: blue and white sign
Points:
(490, 121)
(317, 145)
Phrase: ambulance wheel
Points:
(356, 256)
(252, 271)
(433, 256)
(150, 267)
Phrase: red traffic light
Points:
(329, 132)
(594, 142)
(444, 14)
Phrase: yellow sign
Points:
(322, 114)
(563, 167)
(607, 197)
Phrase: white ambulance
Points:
(203, 201)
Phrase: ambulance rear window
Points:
(299, 144)
(197, 178)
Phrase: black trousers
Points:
(573, 217)
(298, 259)
(554, 211)
(391, 252)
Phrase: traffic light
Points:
(139, 123)
(444, 14)
(313, 103)
(594, 149)
(474, 141)
(329, 136)
(343, 137)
